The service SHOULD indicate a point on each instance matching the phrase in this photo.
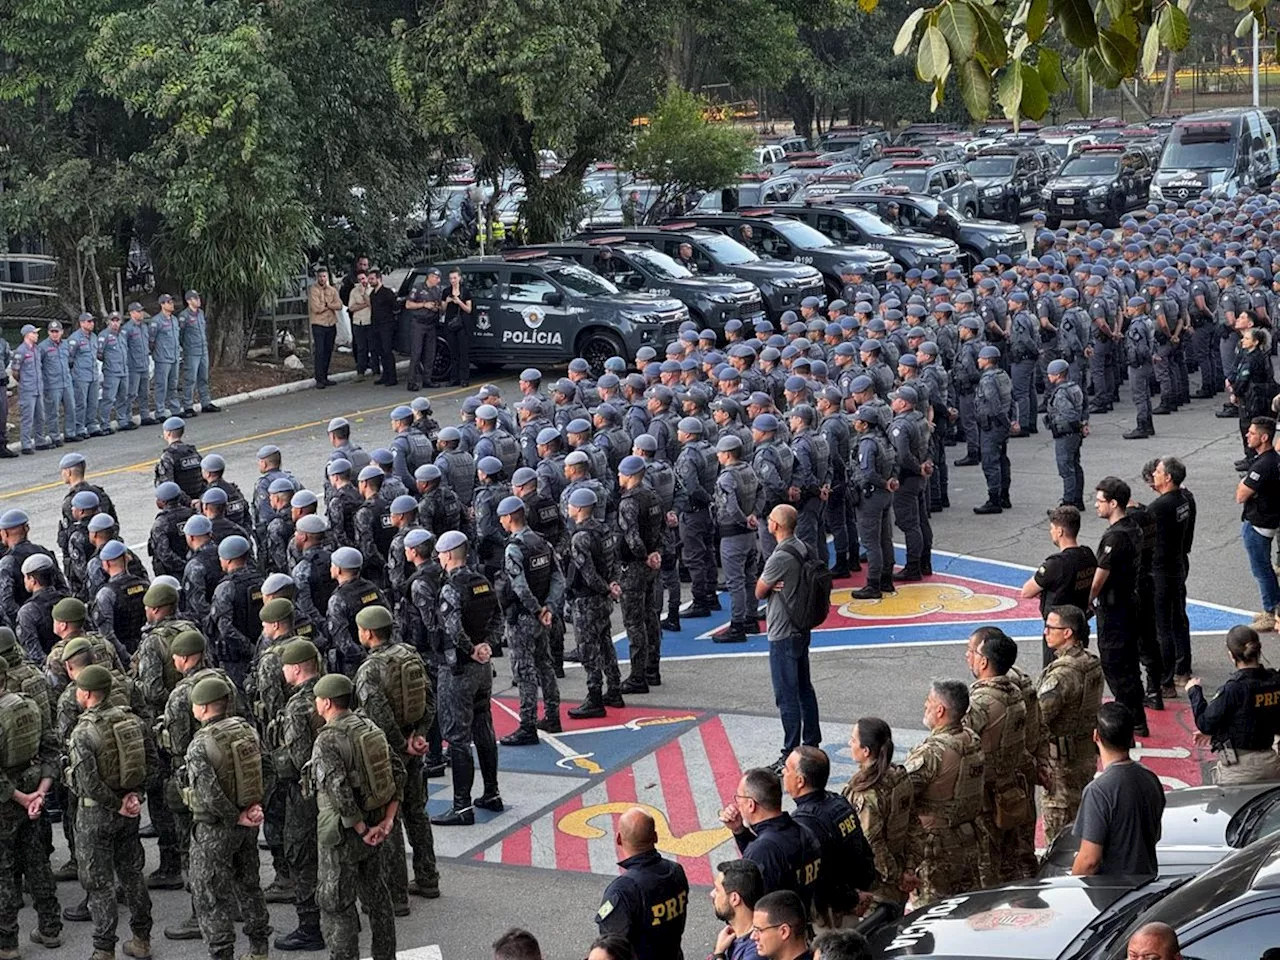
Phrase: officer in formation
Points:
(1242, 720)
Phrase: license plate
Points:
(1066, 201)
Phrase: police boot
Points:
(870, 592)
(434, 767)
(572, 656)
(306, 937)
(455, 817)
(137, 947)
(841, 569)
(991, 506)
(1137, 433)
(280, 890)
(673, 620)
(147, 831)
(491, 801)
(613, 698)
(1005, 502)
(1229, 411)
(522, 736)
(589, 708)
(695, 609)
(909, 573)
(751, 626)
(188, 929)
(77, 913)
(50, 941)
(550, 723)
(68, 871)
(634, 684)
(731, 634)
(1164, 409)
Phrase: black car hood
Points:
(1069, 182)
(925, 241)
(1033, 920)
(708, 283)
(779, 269)
(981, 182)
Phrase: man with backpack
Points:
(794, 582)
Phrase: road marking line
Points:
(146, 465)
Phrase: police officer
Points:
(55, 375)
(470, 625)
(137, 339)
(351, 750)
(203, 570)
(772, 462)
(195, 357)
(810, 469)
(660, 479)
(233, 614)
(947, 772)
(113, 355)
(179, 461)
(6, 358)
(393, 690)
(534, 590)
(84, 506)
(882, 795)
(848, 864)
(996, 416)
(351, 595)
(457, 466)
(1139, 345)
(1067, 420)
(165, 336)
(1100, 345)
(491, 489)
(964, 378)
(373, 530)
(166, 545)
(273, 549)
(342, 501)
(410, 448)
(788, 855)
(311, 572)
(1069, 692)
(438, 506)
(82, 348)
(118, 610)
(592, 588)
(494, 440)
(909, 436)
(26, 370)
(1243, 719)
(875, 478)
(736, 504)
(212, 470)
(426, 306)
(647, 904)
(695, 471)
(640, 520)
(1024, 351)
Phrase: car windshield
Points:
(802, 236)
(1090, 165)
(727, 250)
(990, 166)
(1203, 154)
(1261, 819)
(582, 281)
(870, 224)
(914, 180)
(662, 266)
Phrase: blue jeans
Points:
(793, 692)
(1258, 548)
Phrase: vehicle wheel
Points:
(970, 212)
(597, 346)
(441, 369)
(1052, 223)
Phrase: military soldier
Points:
(357, 780)
(226, 784)
(24, 676)
(1067, 419)
(203, 570)
(213, 504)
(737, 498)
(394, 691)
(111, 756)
(495, 440)
(137, 338)
(291, 738)
(1069, 692)
(69, 616)
(351, 594)
(640, 521)
(996, 416)
(164, 337)
(344, 448)
(342, 501)
(997, 716)
(592, 588)
(166, 544)
(179, 461)
(882, 794)
(470, 626)
(29, 747)
(946, 771)
(118, 609)
(233, 614)
(534, 596)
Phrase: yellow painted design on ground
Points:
(914, 600)
(698, 843)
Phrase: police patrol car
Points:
(537, 310)
(845, 223)
(1229, 912)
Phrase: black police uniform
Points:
(180, 462)
(848, 863)
(647, 905)
(166, 544)
(787, 854)
(1245, 714)
(1118, 641)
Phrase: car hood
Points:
(711, 283)
(852, 251)
(795, 273)
(983, 223)
(981, 182)
(1199, 179)
(640, 300)
(1058, 182)
(1033, 920)
(927, 241)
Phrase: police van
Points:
(533, 310)
(1218, 151)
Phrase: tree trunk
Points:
(231, 330)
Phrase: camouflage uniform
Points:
(292, 738)
(946, 772)
(593, 566)
(1070, 692)
(24, 843)
(528, 639)
(347, 866)
(373, 693)
(640, 524)
(998, 716)
(109, 844)
(884, 811)
(267, 694)
(1025, 859)
(224, 856)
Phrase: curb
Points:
(294, 386)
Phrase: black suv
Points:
(782, 285)
(1009, 180)
(534, 309)
(788, 238)
(1103, 181)
(712, 298)
(845, 223)
(977, 239)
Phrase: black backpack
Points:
(813, 591)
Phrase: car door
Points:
(485, 284)
(839, 229)
(535, 315)
(770, 243)
(1250, 937)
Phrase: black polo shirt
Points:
(1263, 508)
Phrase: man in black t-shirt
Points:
(1259, 492)
(1115, 596)
(1066, 577)
(457, 328)
(1173, 516)
(382, 317)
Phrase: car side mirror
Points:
(552, 298)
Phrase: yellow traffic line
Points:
(148, 464)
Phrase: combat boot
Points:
(491, 801)
(50, 941)
(869, 592)
(634, 684)
(1137, 433)
(909, 574)
(137, 948)
(695, 610)
(428, 889)
(256, 951)
(588, 709)
(167, 876)
(68, 871)
(751, 626)
(280, 890)
(521, 737)
(77, 913)
(572, 656)
(188, 929)
(306, 937)
(990, 507)
(613, 698)
(731, 634)
(550, 723)
(672, 622)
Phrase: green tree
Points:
(680, 151)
